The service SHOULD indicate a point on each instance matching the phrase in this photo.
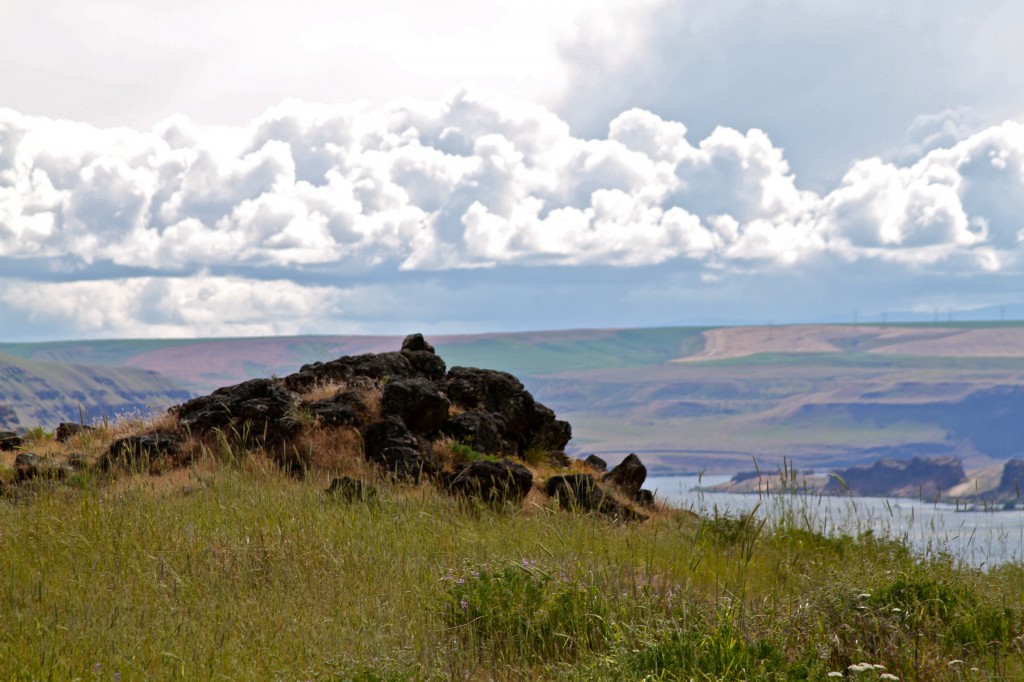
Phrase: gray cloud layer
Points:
(315, 218)
(831, 80)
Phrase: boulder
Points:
(629, 475)
(29, 466)
(494, 482)
(644, 497)
(418, 402)
(546, 432)
(426, 364)
(351, 489)
(391, 446)
(66, 430)
(522, 422)
(348, 408)
(416, 342)
(579, 492)
(596, 463)
(9, 441)
(488, 390)
(480, 431)
(260, 410)
(151, 452)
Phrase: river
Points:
(978, 538)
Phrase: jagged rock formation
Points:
(400, 403)
(399, 410)
(152, 452)
(497, 482)
(581, 492)
(924, 477)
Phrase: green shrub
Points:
(523, 611)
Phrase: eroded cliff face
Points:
(925, 477)
(45, 394)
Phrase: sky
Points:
(314, 167)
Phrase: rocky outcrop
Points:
(348, 408)
(28, 466)
(521, 423)
(629, 475)
(924, 477)
(152, 452)
(380, 367)
(67, 430)
(480, 430)
(418, 402)
(495, 482)
(580, 492)
(255, 411)
(392, 446)
(596, 463)
(351, 489)
(9, 441)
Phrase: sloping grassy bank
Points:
(237, 571)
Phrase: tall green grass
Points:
(241, 572)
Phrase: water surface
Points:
(979, 538)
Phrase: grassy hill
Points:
(220, 565)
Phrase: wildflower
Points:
(834, 673)
(860, 667)
(897, 610)
(864, 595)
(464, 604)
(955, 661)
(97, 666)
(888, 676)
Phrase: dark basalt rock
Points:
(596, 463)
(521, 420)
(495, 482)
(28, 466)
(10, 441)
(149, 452)
(579, 492)
(644, 497)
(416, 342)
(348, 408)
(418, 402)
(480, 431)
(259, 410)
(426, 364)
(391, 446)
(351, 489)
(377, 366)
(66, 430)
(629, 475)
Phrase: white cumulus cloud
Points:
(471, 182)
